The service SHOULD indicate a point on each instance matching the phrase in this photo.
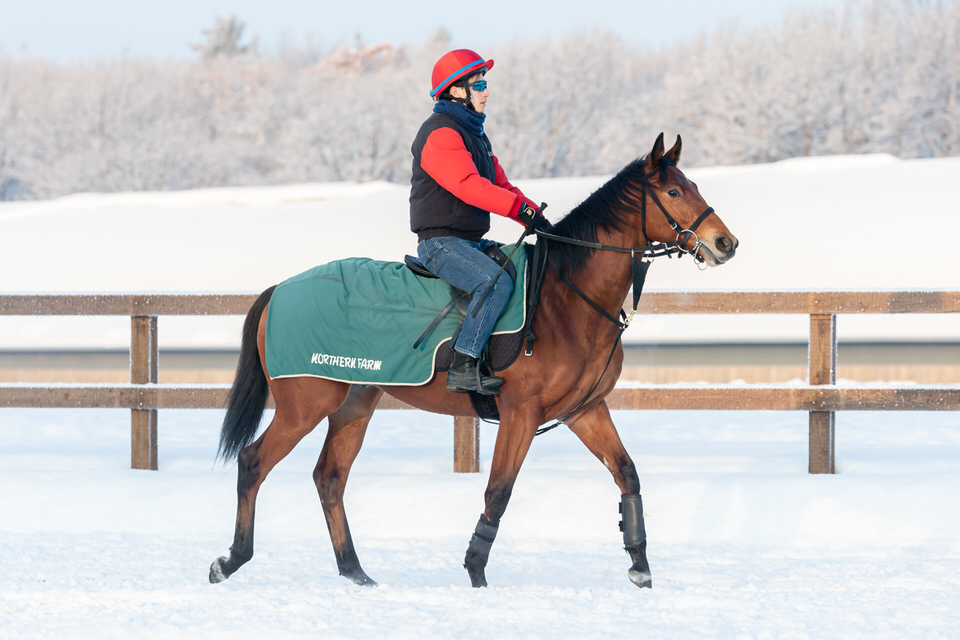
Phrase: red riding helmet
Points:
(454, 65)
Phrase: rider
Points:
(456, 183)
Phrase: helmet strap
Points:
(468, 101)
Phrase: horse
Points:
(593, 257)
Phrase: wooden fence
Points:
(821, 397)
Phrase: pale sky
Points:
(68, 29)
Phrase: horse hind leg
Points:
(348, 425)
(302, 403)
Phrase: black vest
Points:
(434, 211)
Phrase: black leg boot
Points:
(635, 539)
(464, 375)
(479, 550)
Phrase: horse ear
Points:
(657, 152)
(674, 153)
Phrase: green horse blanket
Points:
(356, 320)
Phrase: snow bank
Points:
(848, 222)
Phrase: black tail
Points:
(248, 395)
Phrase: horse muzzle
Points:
(718, 250)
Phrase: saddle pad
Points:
(356, 320)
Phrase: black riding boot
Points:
(464, 375)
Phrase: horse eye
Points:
(673, 193)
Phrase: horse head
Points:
(687, 218)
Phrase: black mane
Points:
(607, 208)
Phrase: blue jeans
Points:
(463, 264)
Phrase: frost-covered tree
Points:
(878, 76)
(224, 39)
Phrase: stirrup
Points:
(465, 375)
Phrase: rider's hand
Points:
(534, 219)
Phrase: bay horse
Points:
(592, 259)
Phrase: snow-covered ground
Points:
(743, 543)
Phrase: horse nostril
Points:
(725, 244)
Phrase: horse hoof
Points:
(216, 571)
(640, 578)
(477, 577)
(359, 577)
(474, 563)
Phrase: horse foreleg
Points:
(348, 425)
(513, 441)
(597, 431)
(300, 408)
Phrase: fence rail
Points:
(822, 397)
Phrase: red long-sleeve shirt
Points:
(446, 159)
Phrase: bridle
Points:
(683, 235)
(641, 259)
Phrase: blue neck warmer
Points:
(466, 117)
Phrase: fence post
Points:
(144, 369)
(823, 370)
(466, 444)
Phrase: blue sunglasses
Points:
(479, 85)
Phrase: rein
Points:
(641, 259)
